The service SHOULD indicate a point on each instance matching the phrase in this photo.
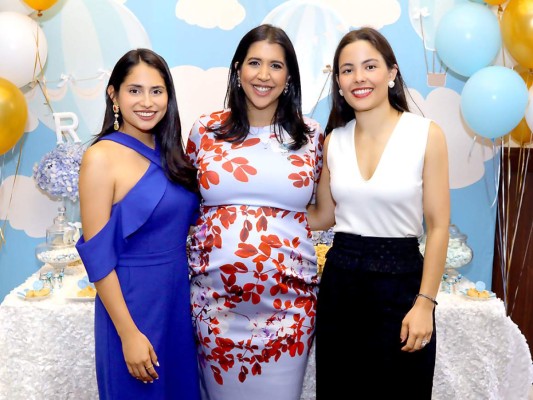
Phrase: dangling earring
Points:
(341, 92)
(116, 109)
(391, 84)
(286, 90)
(238, 81)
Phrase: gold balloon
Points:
(40, 5)
(495, 2)
(517, 31)
(13, 115)
(521, 134)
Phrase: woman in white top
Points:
(385, 174)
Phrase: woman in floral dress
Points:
(253, 265)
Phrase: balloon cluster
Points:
(494, 100)
(23, 51)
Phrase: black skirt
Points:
(368, 285)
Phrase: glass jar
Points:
(59, 249)
(459, 253)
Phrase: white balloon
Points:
(23, 46)
(16, 6)
(529, 110)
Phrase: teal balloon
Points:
(494, 101)
(468, 38)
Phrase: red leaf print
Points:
(239, 160)
(277, 303)
(218, 377)
(297, 161)
(246, 250)
(248, 287)
(191, 147)
(228, 269)
(272, 240)
(296, 242)
(228, 166)
(225, 344)
(265, 248)
(231, 280)
(241, 267)
(209, 177)
(246, 143)
(255, 298)
(242, 171)
(262, 224)
(244, 234)
(256, 369)
(301, 302)
(260, 289)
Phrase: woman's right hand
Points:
(140, 356)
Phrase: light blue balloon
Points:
(494, 101)
(468, 38)
(478, 1)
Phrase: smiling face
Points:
(364, 76)
(143, 100)
(263, 75)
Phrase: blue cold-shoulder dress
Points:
(145, 243)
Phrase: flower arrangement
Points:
(58, 171)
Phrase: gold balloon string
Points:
(497, 167)
(3, 228)
(423, 41)
(41, 83)
(502, 226)
(522, 268)
(500, 13)
(327, 69)
(521, 177)
(523, 161)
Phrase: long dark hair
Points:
(288, 114)
(341, 112)
(167, 132)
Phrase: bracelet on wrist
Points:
(426, 297)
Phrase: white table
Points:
(47, 350)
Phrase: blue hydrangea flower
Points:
(58, 171)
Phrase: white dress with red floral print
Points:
(253, 265)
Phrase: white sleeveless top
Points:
(389, 204)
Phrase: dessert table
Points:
(47, 349)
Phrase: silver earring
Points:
(391, 84)
(238, 81)
(286, 90)
(341, 92)
(116, 109)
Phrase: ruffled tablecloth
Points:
(481, 353)
(47, 346)
(47, 349)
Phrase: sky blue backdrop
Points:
(107, 28)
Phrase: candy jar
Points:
(458, 255)
(59, 249)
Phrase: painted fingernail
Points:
(157, 363)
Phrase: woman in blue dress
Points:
(137, 201)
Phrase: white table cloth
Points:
(47, 349)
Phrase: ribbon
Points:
(420, 12)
